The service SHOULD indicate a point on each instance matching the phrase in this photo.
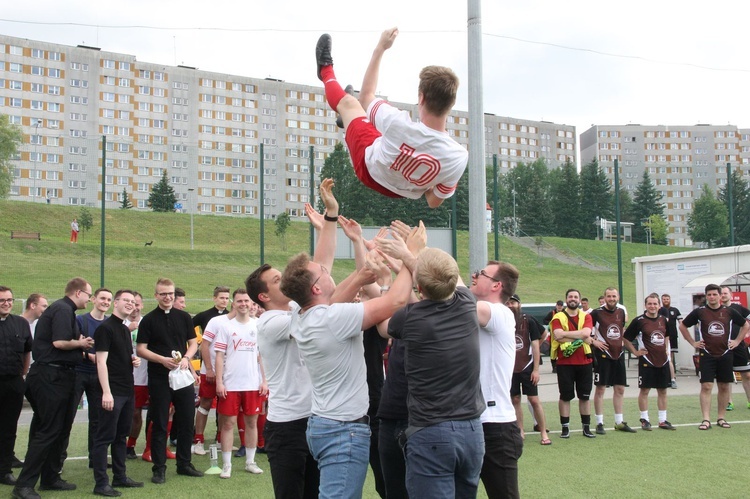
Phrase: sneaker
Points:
(323, 53)
(241, 452)
(624, 427)
(600, 429)
(226, 471)
(565, 432)
(130, 453)
(198, 449)
(673, 385)
(339, 121)
(666, 425)
(730, 406)
(587, 432)
(253, 468)
(645, 425)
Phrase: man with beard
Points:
(715, 323)
(571, 340)
(609, 370)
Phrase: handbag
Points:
(180, 378)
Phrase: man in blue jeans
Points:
(445, 442)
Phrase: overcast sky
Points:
(580, 62)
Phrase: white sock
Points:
(662, 416)
(226, 457)
(600, 419)
(644, 415)
(250, 454)
(618, 418)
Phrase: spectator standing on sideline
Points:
(36, 304)
(74, 231)
(15, 359)
(114, 364)
(50, 388)
(140, 380)
(673, 316)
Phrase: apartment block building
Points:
(679, 160)
(204, 129)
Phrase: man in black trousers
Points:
(50, 388)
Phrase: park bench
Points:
(22, 234)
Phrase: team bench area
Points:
(22, 234)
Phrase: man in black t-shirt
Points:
(740, 353)
(114, 365)
(673, 316)
(715, 323)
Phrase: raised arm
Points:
(325, 249)
(370, 81)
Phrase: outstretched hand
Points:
(315, 218)
(329, 200)
(417, 240)
(382, 234)
(387, 38)
(351, 228)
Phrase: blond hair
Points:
(436, 274)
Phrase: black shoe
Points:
(25, 493)
(130, 453)
(241, 452)
(587, 432)
(323, 53)
(59, 484)
(260, 450)
(189, 470)
(565, 433)
(16, 463)
(339, 121)
(126, 482)
(158, 477)
(107, 491)
(8, 479)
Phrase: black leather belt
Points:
(363, 420)
(67, 367)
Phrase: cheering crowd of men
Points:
(446, 415)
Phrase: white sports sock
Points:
(226, 457)
(662, 416)
(644, 415)
(600, 419)
(618, 418)
(250, 454)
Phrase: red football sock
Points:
(198, 438)
(131, 442)
(334, 92)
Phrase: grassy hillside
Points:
(228, 248)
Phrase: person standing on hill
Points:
(74, 231)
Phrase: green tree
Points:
(162, 197)
(659, 229)
(125, 203)
(10, 138)
(646, 202)
(740, 207)
(709, 221)
(597, 198)
(85, 221)
(533, 209)
(283, 221)
(565, 197)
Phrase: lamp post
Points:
(190, 191)
(36, 148)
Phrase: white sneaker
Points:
(226, 471)
(253, 468)
(198, 449)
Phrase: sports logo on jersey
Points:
(715, 329)
(519, 342)
(613, 332)
(657, 338)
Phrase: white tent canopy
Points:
(733, 279)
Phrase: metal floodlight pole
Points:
(104, 189)
(617, 229)
(312, 197)
(477, 174)
(262, 211)
(36, 151)
(730, 203)
(496, 213)
(192, 209)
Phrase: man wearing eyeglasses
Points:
(50, 388)
(161, 332)
(15, 357)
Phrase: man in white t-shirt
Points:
(392, 154)
(493, 286)
(240, 382)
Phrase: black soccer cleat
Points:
(323, 53)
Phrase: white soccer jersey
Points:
(411, 158)
(140, 373)
(239, 342)
(213, 328)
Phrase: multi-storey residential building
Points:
(678, 159)
(76, 105)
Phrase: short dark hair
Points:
(507, 274)
(713, 287)
(652, 295)
(3, 289)
(239, 291)
(122, 291)
(100, 290)
(33, 299)
(255, 284)
(572, 290)
(221, 289)
(296, 281)
(439, 86)
(179, 292)
(75, 284)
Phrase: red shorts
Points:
(250, 402)
(141, 397)
(360, 134)
(206, 390)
